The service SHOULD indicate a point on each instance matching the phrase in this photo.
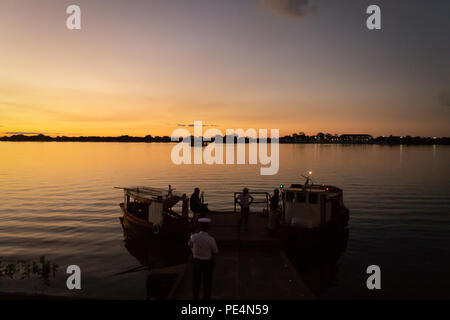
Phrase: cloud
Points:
(56, 114)
(290, 8)
(444, 98)
(20, 132)
(191, 125)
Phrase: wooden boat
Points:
(306, 209)
(149, 211)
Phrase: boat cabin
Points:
(311, 206)
(149, 204)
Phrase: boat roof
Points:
(314, 188)
(150, 193)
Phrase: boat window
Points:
(313, 198)
(300, 197)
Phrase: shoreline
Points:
(437, 142)
(325, 143)
(320, 138)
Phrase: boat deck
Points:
(224, 228)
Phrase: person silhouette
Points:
(197, 207)
(244, 200)
(204, 248)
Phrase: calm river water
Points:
(58, 200)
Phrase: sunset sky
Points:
(144, 67)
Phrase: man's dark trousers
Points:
(203, 270)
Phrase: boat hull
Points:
(167, 247)
(297, 236)
(174, 231)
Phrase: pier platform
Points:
(224, 228)
(249, 275)
(250, 265)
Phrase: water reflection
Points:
(155, 256)
(62, 205)
(317, 259)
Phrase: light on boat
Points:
(281, 186)
(310, 172)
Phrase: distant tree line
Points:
(300, 138)
(362, 139)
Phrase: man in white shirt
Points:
(204, 248)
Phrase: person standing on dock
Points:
(197, 206)
(244, 200)
(185, 206)
(204, 248)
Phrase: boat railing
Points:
(256, 193)
(151, 193)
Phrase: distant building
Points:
(355, 138)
